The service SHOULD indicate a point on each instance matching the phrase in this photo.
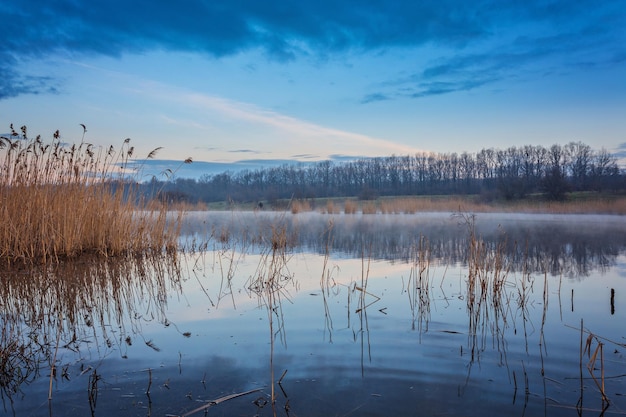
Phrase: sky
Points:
(249, 83)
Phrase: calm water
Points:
(357, 315)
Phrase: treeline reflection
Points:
(569, 245)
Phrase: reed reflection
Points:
(69, 309)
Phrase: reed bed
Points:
(412, 205)
(596, 204)
(61, 202)
(600, 206)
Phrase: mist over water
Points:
(564, 244)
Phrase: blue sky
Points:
(307, 80)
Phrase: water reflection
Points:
(249, 318)
(570, 245)
(51, 313)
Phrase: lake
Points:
(313, 314)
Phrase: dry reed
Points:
(592, 204)
(418, 286)
(270, 283)
(411, 205)
(486, 296)
(61, 201)
(350, 207)
(298, 206)
(369, 208)
(331, 208)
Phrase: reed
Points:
(61, 201)
(270, 284)
(331, 208)
(418, 286)
(350, 207)
(298, 206)
(486, 295)
(592, 366)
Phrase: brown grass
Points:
(63, 201)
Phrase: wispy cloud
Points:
(374, 97)
(300, 128)
(244, 151)
(274, 134)
(444, 87)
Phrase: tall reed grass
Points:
(60, 201)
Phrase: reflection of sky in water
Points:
(398, 357)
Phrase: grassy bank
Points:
(60, 201)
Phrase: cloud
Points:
(244, 151)
(371, 98)
(293, 126)
(440, 87)
(620, 152)
(346, 158)
(13, 84)
(306, 156)
(282, 29)
(289, 30)
(526, 56)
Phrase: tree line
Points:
(510, 173)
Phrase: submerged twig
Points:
(217, 401)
